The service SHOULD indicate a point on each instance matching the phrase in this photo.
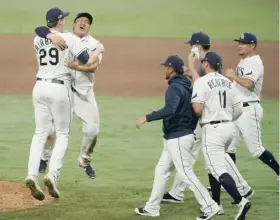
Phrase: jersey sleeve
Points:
(198, 94)
(74, 44)
(253, 72)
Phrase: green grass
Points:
(124, 159)
(153, 18)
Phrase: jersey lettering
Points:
(213, 83)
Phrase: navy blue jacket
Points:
(177, 114)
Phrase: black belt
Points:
(246, 104)
(217, 122)
(53, 81)
(73, 89)
(214, 122)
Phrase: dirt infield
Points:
(15, 196)
(130, 66)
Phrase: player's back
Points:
(51, 60)
(219, 98)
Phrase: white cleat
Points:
(221, 212)
(244, 207)
(143, 212)
(50, 182)
(35, 189)
(83, 162)
(211, 213)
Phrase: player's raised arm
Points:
(191, 68)
(57, 40)
(245, 82)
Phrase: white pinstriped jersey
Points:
(51, 61)
(250, 68)
(219, 96)
(84, 81)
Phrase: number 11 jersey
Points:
(219, 96)
(51, 60)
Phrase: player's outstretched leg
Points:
(249, 123)
(268, 158)
(183, 162)
(214, 155)
(88, 113)
(162, 173)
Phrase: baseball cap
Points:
(85, 14)
(199, 38)
(54, 14)
(213, 58)
(173, 61)
(247, 38)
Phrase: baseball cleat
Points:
(170, 199)
(247, 196)
(221, 212)
(244, 207)
(209, 215)
(34, 187)
(50, 182)
(90, 171)
(43, 166)
(143, 212)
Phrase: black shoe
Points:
(43, 166)
(247, 196)
(168, 198)
(89, 171)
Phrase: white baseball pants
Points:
(56, 100)
(178, 187)
(176, 154)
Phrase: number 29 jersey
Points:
(219, 96)
(51, 61)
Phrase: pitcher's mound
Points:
(16, 196)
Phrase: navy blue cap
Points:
(55, 14)
(199, 38)
(84, 14)
(213, 58)
(173, 61)
(247, 38)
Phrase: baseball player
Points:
(201, 41)
(178, 125)
(248, 77)
(216, 101)
(85, 106)
(52, 95)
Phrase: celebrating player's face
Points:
(245, 49)
(81, 26)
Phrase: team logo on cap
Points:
(242, 36)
